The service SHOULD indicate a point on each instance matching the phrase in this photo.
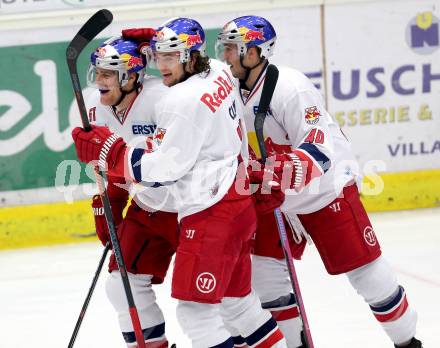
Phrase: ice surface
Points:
(42, 291)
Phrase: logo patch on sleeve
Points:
(312, 115)
(158, 137)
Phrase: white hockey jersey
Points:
(297, 122)
(137, 127)
(198, 141)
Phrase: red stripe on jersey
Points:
(255, 89)
(285, 314)
(394, 314)
(270, 340)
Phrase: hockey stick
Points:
(99, 21)
(266, 96)
(89, 296)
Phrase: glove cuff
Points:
(105, 150)
(298, 171)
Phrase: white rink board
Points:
(23, 6)
(374, 40)
(298, 31)
(298, 34)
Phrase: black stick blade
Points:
(97, 23)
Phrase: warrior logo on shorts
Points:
(205, 282)
(369, 236)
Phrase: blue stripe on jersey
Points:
(149, 333)
(135, 161)
(151, 184)
(392, 303)
(229, 343)
(261, 332)
(317, 155)
(238, 340)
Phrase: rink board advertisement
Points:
(37, 112)
(382, 84)
(384, 81)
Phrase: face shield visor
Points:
(103, 79)
(166, 60)
(106, 65)
(226, 51)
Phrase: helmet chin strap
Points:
(249, 69)
(121, 98)
(124, 93)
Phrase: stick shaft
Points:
(89, 30)
(266, 96)
(89, 296)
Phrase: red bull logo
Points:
(249, 35)
(159, 135)
(312, 115)
(101, 51)
(160, 35)
(132, 61)
(191, 40)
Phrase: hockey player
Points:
(322, 199)
(124, 102)
(199, 142)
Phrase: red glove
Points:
(287, 170)
(99, 144)
(279, 173)
(269, 195)
(118, 197)
(140, 35)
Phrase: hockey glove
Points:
(288, 167)
(141, 36)
(284, 169)
(269, 195)
(280, 173)
(100, 145)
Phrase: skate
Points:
(415, 343)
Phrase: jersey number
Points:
(315, 136)
(92, 114)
